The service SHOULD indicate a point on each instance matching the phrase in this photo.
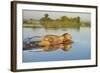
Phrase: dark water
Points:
(79, 50)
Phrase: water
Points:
(79, 50)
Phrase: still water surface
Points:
(80, 50)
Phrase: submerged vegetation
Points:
(62, 22)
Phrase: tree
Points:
(78, 19)
(64, 18)
(46, 16)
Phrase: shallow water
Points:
(80, 49)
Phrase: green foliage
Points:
(30, 21)
(62, 22)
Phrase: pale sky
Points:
(28, 14)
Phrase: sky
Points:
(28, 14)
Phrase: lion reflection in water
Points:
(64, 47)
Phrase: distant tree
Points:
(25, 22)
(46, 16)
(64, 18)
(78, 19)
(30, 20)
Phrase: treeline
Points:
(30, 21)
(63, 21)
